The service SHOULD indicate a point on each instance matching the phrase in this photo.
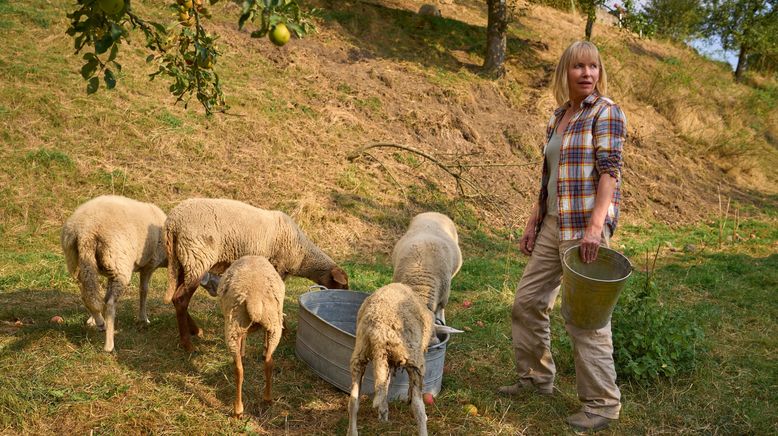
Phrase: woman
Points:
(578, 204)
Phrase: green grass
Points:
(56, 371)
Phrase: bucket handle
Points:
(317, 288)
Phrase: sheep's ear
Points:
(340, 277)
(440, 329)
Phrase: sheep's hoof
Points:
(264, 405)
(383, 415)
(237, 415)
(188, 347)
(90, 322)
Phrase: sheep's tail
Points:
(173, 265)
(80, 256)
(381, 376)
(69, 243)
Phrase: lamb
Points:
(427, 257)
(394, 327)
(207, 235)
(113, 236)
(251, 295)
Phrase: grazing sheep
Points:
(113, 236)
(394, 327)
(251, 296)
(209, 234)
(427, 257)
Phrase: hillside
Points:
(701, 159)
(374, 73)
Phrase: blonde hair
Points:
(577, 50)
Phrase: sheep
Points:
(205, 235)
(394, 327)
(113, 236)
(251, 296)
(427, 257)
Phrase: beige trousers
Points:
(595, 372)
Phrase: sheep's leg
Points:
(238, 405)
(416, 381)
(382, 379)
(186, 325)
(272, 338)
(115, 289)
(145, 277)
(357, 372)
(90, 294)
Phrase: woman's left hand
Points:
(590, 244)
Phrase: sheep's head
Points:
(335, 278)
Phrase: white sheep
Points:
(427, 257)
(113, 236)
(205, 235)
(251, 295)
(394, 327)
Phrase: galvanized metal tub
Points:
(326, 330)
(590, 290)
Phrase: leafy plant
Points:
(183, 50)
(650, 340)
(274, 12)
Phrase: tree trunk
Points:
(591, 17)
(494, 63)
(741, 63)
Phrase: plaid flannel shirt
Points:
(591, 146)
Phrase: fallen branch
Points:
(447, 168)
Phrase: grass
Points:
(57, 379)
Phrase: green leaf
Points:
(92, 86)
(243, 18)
(89, 68)
(296, 29)
(116, 32)
(104, 44)
(110, 80)
(149, 58)
(78, 42)
(114, 52)
(160, 28)
(258, 34)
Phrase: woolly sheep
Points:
(394, 327)
(113, 236)
(209, 234)
(251, 295)
(427, 257)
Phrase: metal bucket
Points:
(326, 330)
(590, 290)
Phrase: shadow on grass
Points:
(757, 201)
(381, 31)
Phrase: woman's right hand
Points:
(527, 241)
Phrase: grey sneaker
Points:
(521, 388)
(210, 282)
(585, 421)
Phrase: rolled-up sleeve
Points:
(609, 133)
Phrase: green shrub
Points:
(651, 340)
